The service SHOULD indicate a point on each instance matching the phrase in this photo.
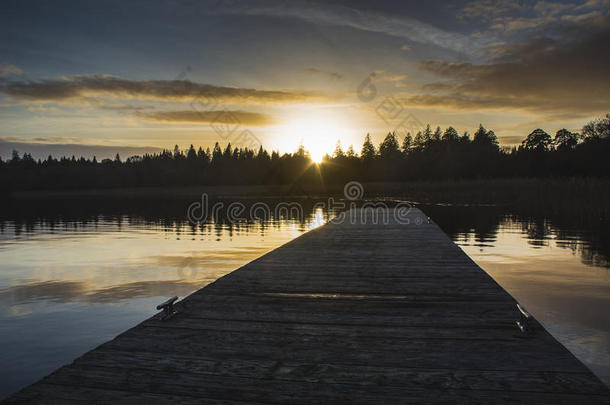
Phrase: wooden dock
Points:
(349, 312)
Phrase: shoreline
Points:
(512, 190)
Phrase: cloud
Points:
(209, 117)
(511, 16)
(79, 88)
(383, 76)
(42, 109)
(510, 24)
(451, 101)
(396, 80)
(331, 75)
(543, 75)
(593, 18)
(338, 15)
(491, 10)
(8, 69)
(487, 9)
(393, 78)
(124, 107)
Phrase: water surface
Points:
(74, 275)
(68, 284)
(556, 265)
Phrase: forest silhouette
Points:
(427, 155)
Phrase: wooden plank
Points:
(341, 329)
(279, 391)
(335, 373)
(426, 352)
(44, 393)
(356, 312)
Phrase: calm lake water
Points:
(556, 266)
(75, 275)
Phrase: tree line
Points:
(427, 155)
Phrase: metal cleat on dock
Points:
(525, 318)
(168, 308)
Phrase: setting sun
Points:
(317, 133)
(317, 156)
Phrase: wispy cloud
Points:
(337, 15)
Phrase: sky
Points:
(101, 77)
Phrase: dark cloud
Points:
(79, 87)
(543, 75)
(331, 75)
(209, 117)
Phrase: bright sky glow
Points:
(97, 78)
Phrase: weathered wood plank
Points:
(43, 393)
(354, 312)
(426, 352)
(340, 330)
(336, 373)
(206, 387)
